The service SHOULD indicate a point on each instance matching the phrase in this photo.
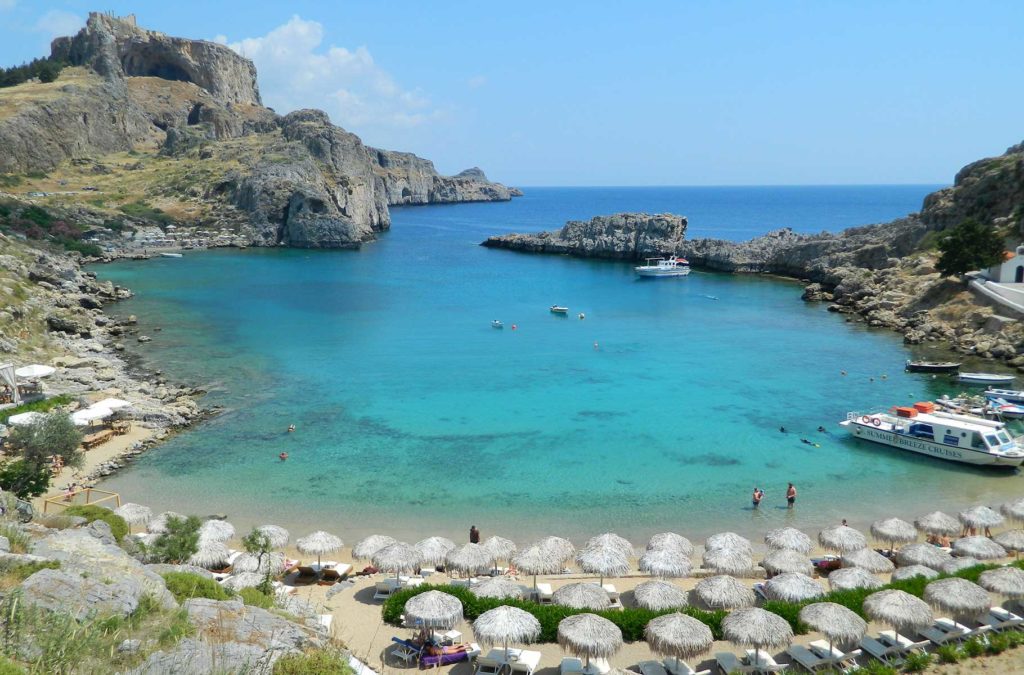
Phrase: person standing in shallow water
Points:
(790, 496)
(474, 535)
(757, 496)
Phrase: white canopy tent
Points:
(89, 415)
(8, 378)
(35, 371)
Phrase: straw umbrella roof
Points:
(728, 560)
(922, 554)
(899, 609)
(434, 550)
(841, 538)
(957, 564)
(872, 561)
(365, 549)
(893, 531)
(210, 555)
(537, 560)
(605, 560)
(1013, 510)
(754, 627)
(612, 542)
(589, 636)
(237, 582)
(398, 557)
(216, 530)
(158, 524)
(434, 609)
(665, 562)
(957, 596)
(582, 596)
(938, 522)
(1011, 540)
(497, 587)
(981, 548)
(980, 516)
(1008, 581)
(670, 540)
(792, 587)
(788, 538)
(727, 540)
(250, 562)
(276, 535)
(834, 621)
(499, 547)
(852, 577)
(318, 543)
(678, 635)
(469, 558)
(787, 560)
(134, 514)
(911, 571)
(505, 624)
(724, 592)
(559, 546)
(658, 595)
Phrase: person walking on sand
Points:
(757, 496)
(790, 496)
(474, 535)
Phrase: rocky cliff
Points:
(623, 236)
(296, 180)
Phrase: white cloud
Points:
(57, 23)
(476, 81)
(295, 72)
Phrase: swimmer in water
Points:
(283, 456)
(809, 442)
(821, 430)
(291, 428)
(782, 430)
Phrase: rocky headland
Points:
(166, 130)
(884, 274)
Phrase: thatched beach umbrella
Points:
(665, 562)
(582, 596)
(318, 543)
(834, 621)
(787, 560)
(679, 636)
(728, 560)
(852, 577)
(1006, 581)
(276, 535)
(158, 524)
(433, 610)
(1011, 540)
(899, 609)
(841, 538)
(560, 547)
(727, 540)
(938, 523)
(589, 636)
(434, 550)
(670, 540)
(893, 531)
(724, 592)
(959, 597)
(1014, 510)
(398, 557)
(788, 538)
(957, 564)
(216, 530)
(237, 582)
(791, 587)
(754, 627)
(604, 560)
(365, 549)
(872, 561)
(210, 555)
(911, 571)
(500, 548)
(537, 560)
(981, 548)
(268, 563)
(505, 624)
(922, 554)
(469, 559)
(611, 541)
(134, 514)
(498, 587)
(980, 517)
(659, 595)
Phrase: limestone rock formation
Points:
(623, 236)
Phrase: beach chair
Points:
(836, 657)
(382, 590)
(999, 619)
(759, 592)
(728, 662)
(329, 576)
(409, 652)
(486, 666)
(525, 664)
(598, 665)
(307, 573)
(763, 662)
(652, 668)
(901, 643)
(677, 667)
(884, 653)
(945, 630)
(570, 666)
(807, 659)
(326, 621)
(544, 594)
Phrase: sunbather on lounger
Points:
(434, 650)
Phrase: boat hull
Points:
(972, 378)
(868, 432)
(1009, 395)
(655, 272)
(913, 367)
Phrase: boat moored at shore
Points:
(660, 267)
(931, 366)
(1011, 395)
(984, 378)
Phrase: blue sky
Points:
(643, 93)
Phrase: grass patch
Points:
(314, 662)
(12, 575)
(91, 512)
(36, 406)
(19, 540)
(185, 585)
(140, 209)
(256, 598)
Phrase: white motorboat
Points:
(1003, 408)
(660, 267)
(170, 255)
(497, 324)
(559, 309)
(949, 436)
(1011, 395)
(984, 378)
(990, 407)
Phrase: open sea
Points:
(660, 411)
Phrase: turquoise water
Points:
(661, 410)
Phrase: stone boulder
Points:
(80, 596)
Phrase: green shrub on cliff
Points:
(91, 512)
(969, 246)
(315, 662)
(185, 585)
(27, 473)
(178, 543)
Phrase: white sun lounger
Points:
(728, 663)
(526, 663)
(884, 653)
(652, 668)
(807, 659)
(764, 663)
(544, 594)
(570, 666)
(384, 589)
(999, 619)
(677, 667)
(844, 661)
(902, 644)
(485, 666)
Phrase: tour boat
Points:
(932, 366)
(1011, 395)
(659, 267)
(558, 309)
(943, 435)
(984, 378)
(497, 324)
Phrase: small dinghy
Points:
(497, 324)
(1005, 409)
(1011, 395)
(558, 309)
(170, 255)
(984, 378)
(932, 367)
